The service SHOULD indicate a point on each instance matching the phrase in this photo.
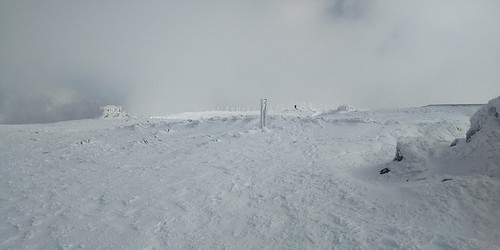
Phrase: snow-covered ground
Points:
(213, 180)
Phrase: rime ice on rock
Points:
(483, 139)
(345, 108)
(114, 112)
(479, 155)
(486, 116)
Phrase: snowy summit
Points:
(344, 179)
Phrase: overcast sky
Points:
(63, 59)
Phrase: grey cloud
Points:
(163, 57)
(40, 102)
(350, 9)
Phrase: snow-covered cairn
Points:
(114, 112)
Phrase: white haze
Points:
(61, 60)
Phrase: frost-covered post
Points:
(263, 113)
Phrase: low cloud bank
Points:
(44, 103)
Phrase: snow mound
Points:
(345, 108)
(486, 117)
(416, 155)
(479, 153)
(340, 109)
(482, 147)
(413, 149)
(114, 112)
(443, 130)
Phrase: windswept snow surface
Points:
(211, 181)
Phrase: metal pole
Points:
(263, 113)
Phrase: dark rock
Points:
(84, 141)
(385, 171)
(399, 156)
(446, 179)
(469, 134)
(454, 143)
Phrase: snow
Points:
(486, 116)
(212, 180)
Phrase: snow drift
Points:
(482, 147)
(486, 119)
(478, 153)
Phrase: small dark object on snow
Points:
(398, 156)
(84, 141)
(454, 143)
(385, 171)
(446, 179)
